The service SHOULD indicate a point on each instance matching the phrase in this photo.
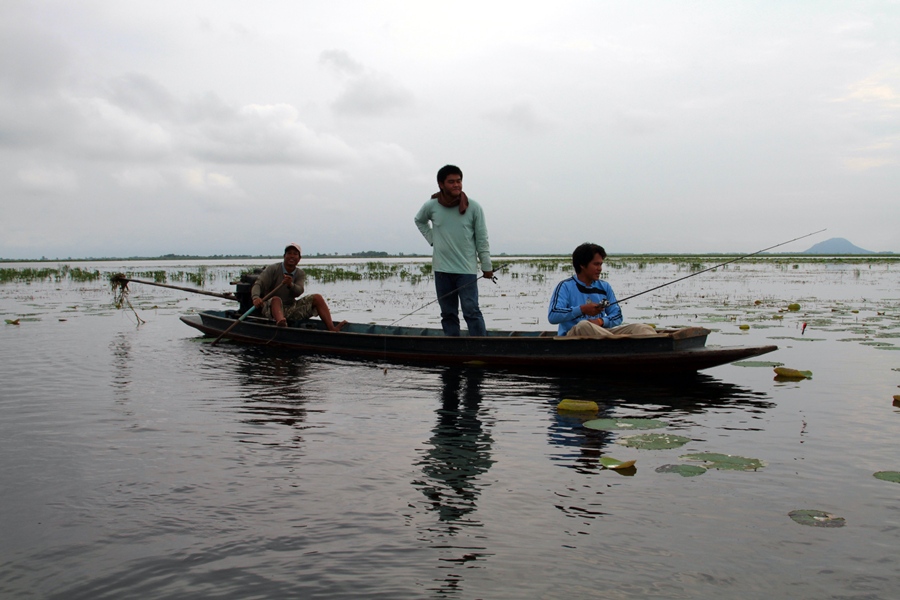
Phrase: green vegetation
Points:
(654, 441)
(816, 518)
(624, 424)
(62, 273)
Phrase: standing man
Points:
(286, 302)
(584, 305)
(454, 225)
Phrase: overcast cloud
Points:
(225, 127)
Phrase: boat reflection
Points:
(678, 402)
(271, 386)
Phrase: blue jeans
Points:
(453, 290)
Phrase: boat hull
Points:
(676, 351)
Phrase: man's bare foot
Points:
(282, 323)
(339, 326)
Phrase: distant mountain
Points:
(836, 246)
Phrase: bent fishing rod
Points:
(728, 262)
(451, 292)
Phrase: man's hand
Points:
(592, 309)
(257, 302)
(288, 280)
(488, 274)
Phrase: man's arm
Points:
(423, 218)
(561, 309)
(612, 314)
(482, 245)
(299, 284)
(261, 286)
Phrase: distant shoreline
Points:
(380, 255)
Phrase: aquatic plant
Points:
(614, 463)
(728, 462)
(792, 373)
(683, 470)
(620, 424)
(654, 441)
(584, 406)
(816, 518)
(892, 476)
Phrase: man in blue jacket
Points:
(585, 305)
(454, 225)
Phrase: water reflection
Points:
(120, 347)
(459, 450)
(678, 402)
(272, 387)
(457, 454)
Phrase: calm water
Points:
(142, 462)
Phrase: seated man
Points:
(578, 306)
(283, 304)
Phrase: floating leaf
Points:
(744, 327)
(683, 470)
(654, 441)
(757, 363)
(793, 307)
(893, 476)
(792, 373)
(577, 406)
(714, 460)
(620, 424)
(12, 321)
(612, 463)
(896, 400)
(816, 518)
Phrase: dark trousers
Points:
(455, 290)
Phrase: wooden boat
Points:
(670, 351)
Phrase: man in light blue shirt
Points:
(455, 226)
(584, 305)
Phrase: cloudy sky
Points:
(231, 127)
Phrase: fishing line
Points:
(715, 267)
(450, 293)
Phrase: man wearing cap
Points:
(454, 225)
(286, 303)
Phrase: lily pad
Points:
(612, 463)
(816, 518)
(726, 461)
(577, 406)
(683, 470)
(620, 424)
(654, 441)
(757, 363)
(893, 476)
(792, 373)
(793, 307)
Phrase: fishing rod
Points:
(246, 314)
(493, 278)
(714, 267)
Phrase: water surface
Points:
(139, 461)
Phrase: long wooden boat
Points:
(670, 351)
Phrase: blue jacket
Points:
(570, 294)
